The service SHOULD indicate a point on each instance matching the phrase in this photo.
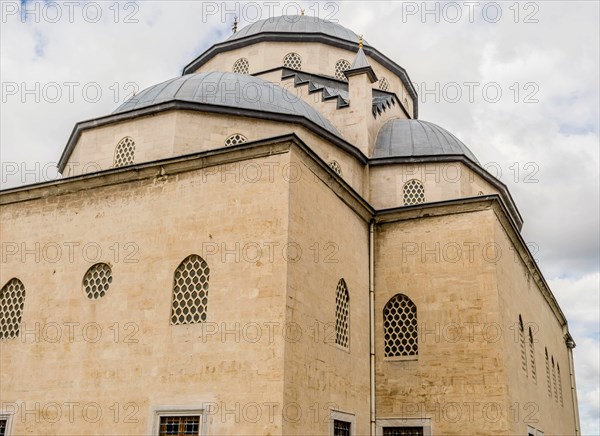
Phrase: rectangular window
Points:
(179, 426)
(341, 428)
(402, 431)
(3, 425)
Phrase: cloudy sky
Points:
(69, 61)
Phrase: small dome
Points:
(297, 24)
(408, 138)
(230, 90)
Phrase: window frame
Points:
(411, 357)
(19, 312)
(408, 185)
(341, 73)
(288, 55)
(425, 423)
(175, 291)
(337, 344)
(8, 417)
(172, 411)
(118, 151)
(238, 62)
(338, 415)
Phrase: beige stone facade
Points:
(347, 282)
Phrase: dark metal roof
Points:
(404, 138)
(297, 24)
(230, 90)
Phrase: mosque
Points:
(274, 243)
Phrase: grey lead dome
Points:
(408, 138)
(297, 24)
(230, 90)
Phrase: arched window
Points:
(384, 84)
(341, 66)
(560, 395)
(342, 314)
(413, 192)
(522, 346)
(293, 61)
(554, 379)
(241, 66)
(335, 166)
(124, 152)
(532, 357)
(548, 373)
(400, 327)
(235, 139)
(97, 280)
(12, 300)
(190, 291)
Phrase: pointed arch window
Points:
(341, 66)
(241, 66)
(532, 357)
(413, 192)
(125, 152)
(190, 291)
(522, 346)
(293, 61)
(554, 379)
(400, 327)
(342, 314)
(548, 373)
(12, 301)
(560, 394)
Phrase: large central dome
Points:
(297, 24)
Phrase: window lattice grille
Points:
(12, 300)
(179, 425)
(341, 66)
(341, 428)
(342, 314)
(241, 66)
(400, 327)
(402, 431)
(522, 346)
(554, 380)
(413, 192)
(532, 357)
(293, 61)
(235, 139)
(548, 374)
(97, 280)
(384, 85)
(190, 291)
(560, 395)
(335, 166)
(125, 152)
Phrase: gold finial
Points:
(360, 42)
(302, 12)
(235, 23)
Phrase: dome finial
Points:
(360, 42)
(235, 23)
